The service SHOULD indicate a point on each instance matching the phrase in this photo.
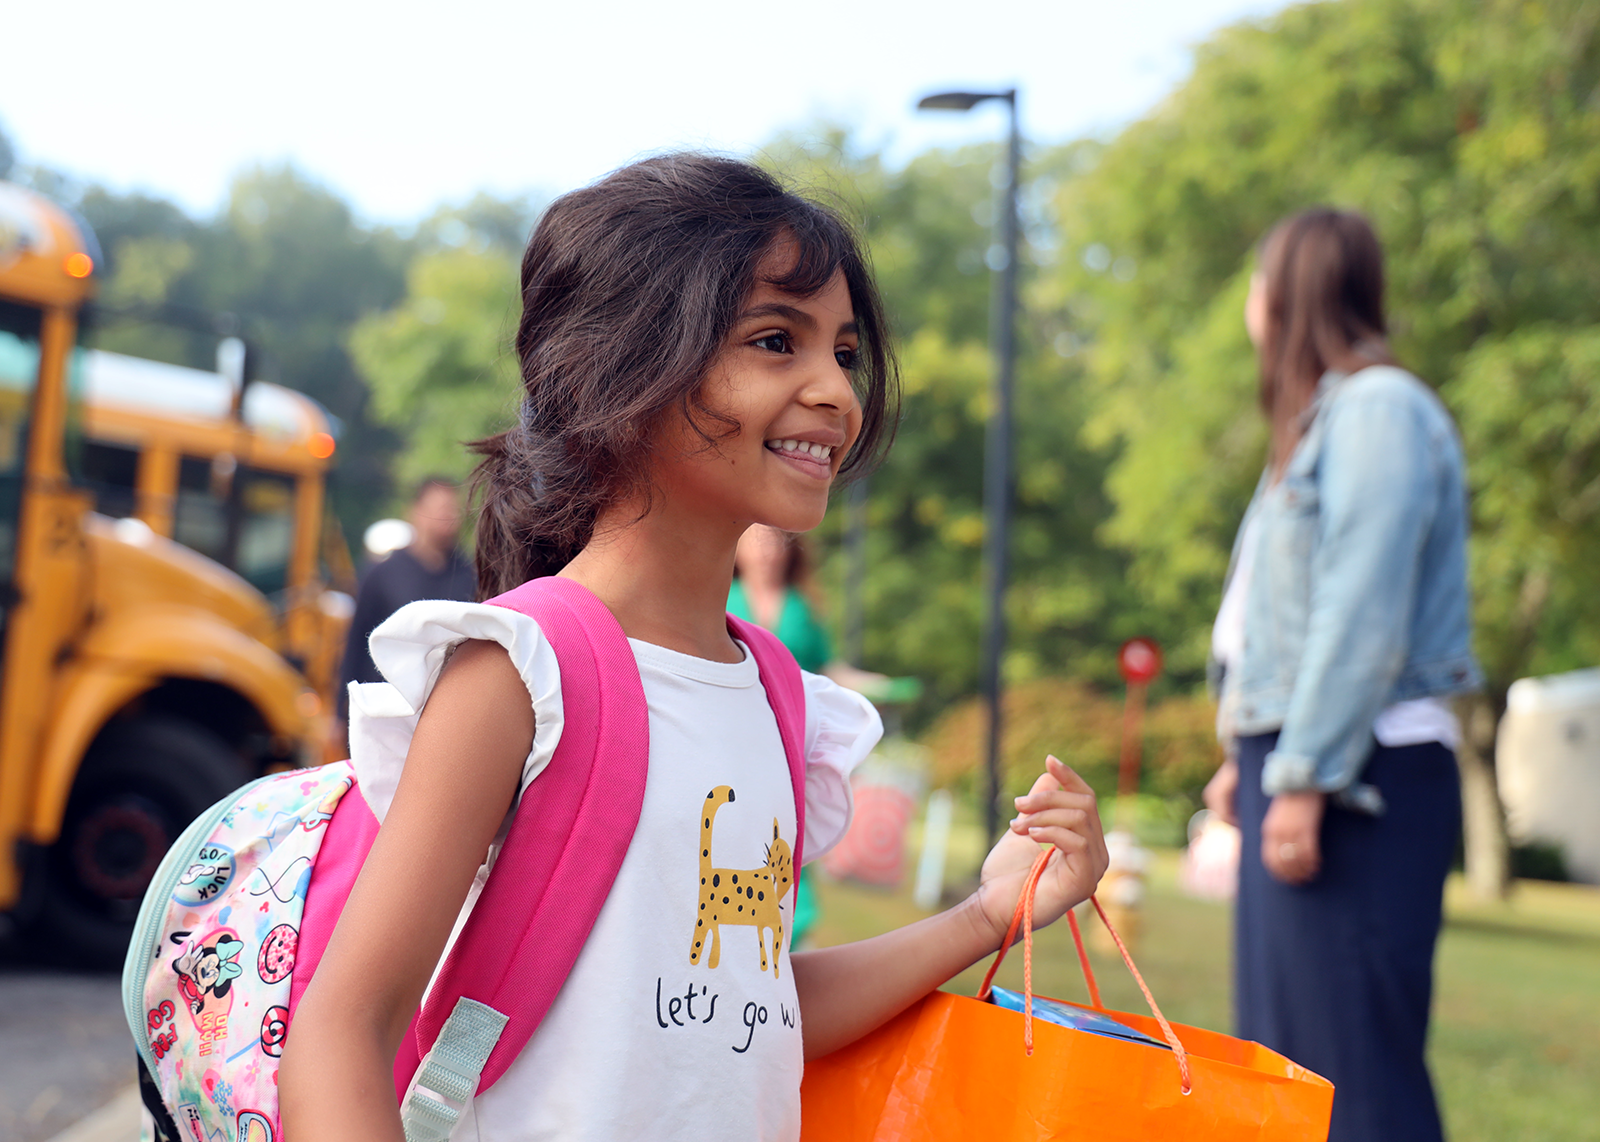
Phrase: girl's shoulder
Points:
(410, 649)
(411, 646)
(836, 714)
(842, 728)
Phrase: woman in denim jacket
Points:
(1344, 625)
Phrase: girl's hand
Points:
(1059, 810)
(1291, 837)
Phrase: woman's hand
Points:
(1059, 810)
(1290, 836)
(1221, 791)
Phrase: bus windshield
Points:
(19, 377)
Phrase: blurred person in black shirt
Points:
(432, 566)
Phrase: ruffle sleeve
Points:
(409, 648)
(842, 728)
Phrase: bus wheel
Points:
(140, 784)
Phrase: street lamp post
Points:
(997, 482)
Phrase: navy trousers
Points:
(1337, 974)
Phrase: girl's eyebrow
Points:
(790, 313)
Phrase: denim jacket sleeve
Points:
(1376, 488)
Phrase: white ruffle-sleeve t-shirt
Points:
(671, 1025)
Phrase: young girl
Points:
(700, 351)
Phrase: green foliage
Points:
(1530, 403)
(1468, 132)
(440, 364)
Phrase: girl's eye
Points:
(774, 342)
(846, 359)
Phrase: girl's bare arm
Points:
(849, 990)
(461, 774)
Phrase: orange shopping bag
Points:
(956, 1068)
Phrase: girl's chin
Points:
(793, 517)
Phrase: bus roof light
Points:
(320, 445)
(78, 265)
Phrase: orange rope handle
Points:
(1166, 1028)
(1028, 893)
(1022, 918)
(1083, 961)
(1024, 905)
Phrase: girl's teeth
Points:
(818, 451)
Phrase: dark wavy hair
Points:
(630, 289)
(1323, 272)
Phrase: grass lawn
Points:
(1516, 1034)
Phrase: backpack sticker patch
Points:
(275, 962)
(213, 867)
(274, 1030)
(206, 970)
(254, 1127)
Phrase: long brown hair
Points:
(630, 287)
(1323, 273)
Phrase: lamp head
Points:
(960, 100)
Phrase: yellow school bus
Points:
(160, 448)
(164, 636)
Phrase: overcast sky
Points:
(400, 106)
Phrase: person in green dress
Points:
(769, 571)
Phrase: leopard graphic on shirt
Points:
(740, 896)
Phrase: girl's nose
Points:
(828, 386)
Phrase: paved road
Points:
(64, 1046)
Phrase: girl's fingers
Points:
(1044, 783)
(1064, 839)
(1079, 820)
(1065, 774)
(1054, 799)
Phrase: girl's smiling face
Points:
(784, 378)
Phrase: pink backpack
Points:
(240, 911)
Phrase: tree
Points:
(440, 364)
(1468, 132)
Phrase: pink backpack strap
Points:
(567, 840)
(349, 837)
(786, 694)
